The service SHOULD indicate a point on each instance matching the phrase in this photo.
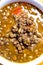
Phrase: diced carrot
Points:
(17, 10)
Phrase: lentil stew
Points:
(21, 32)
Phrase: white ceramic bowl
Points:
(37, 60)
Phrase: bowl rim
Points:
(36, 3)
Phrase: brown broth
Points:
(6, 22)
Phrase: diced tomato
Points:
(17, 10)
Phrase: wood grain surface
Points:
(41, 63)
(41, 1)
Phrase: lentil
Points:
(21, 36)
